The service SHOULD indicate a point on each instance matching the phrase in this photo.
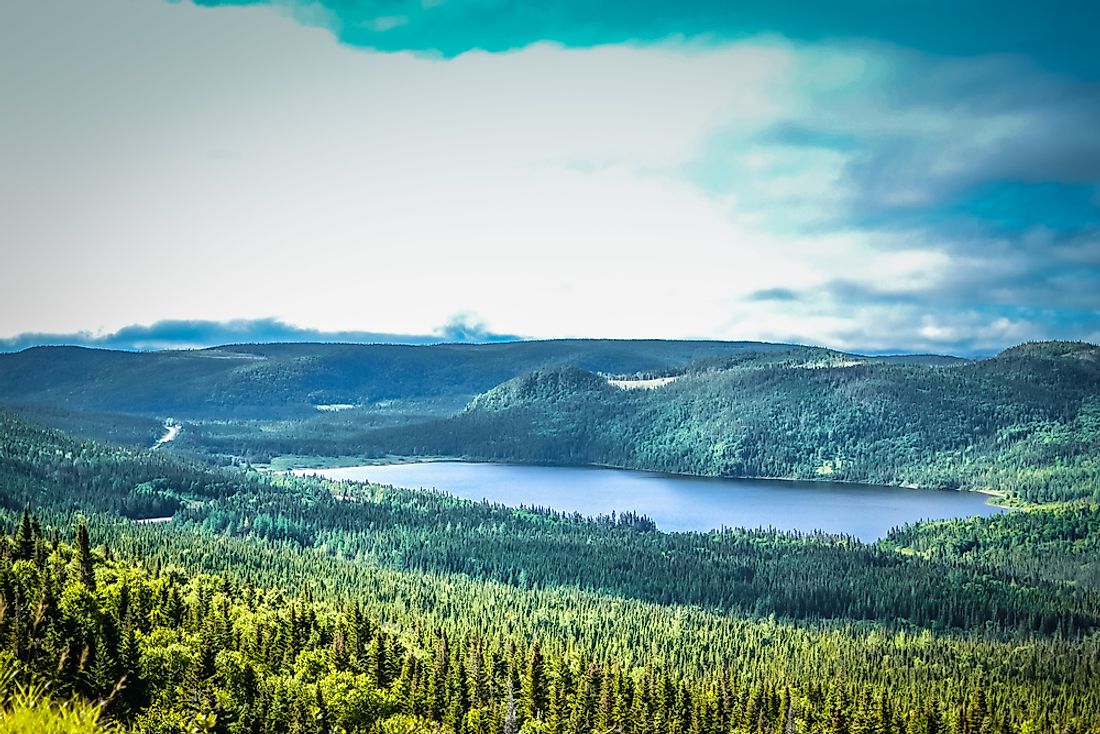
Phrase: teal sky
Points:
(1058, 34)
(865, 175)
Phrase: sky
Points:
(870, 176)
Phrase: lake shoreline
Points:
(676, 503)
(996, 497)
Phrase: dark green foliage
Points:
(208, 653)
(1059, 542)
(291, 605)
(1027, 422)
(281, 380)
(85, 572)
(25, 540)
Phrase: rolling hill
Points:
(290, 380)
(1026, 421)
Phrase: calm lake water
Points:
(681, 503)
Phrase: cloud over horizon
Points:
(185, 334)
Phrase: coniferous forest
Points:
(278, 604)
(1025, 422)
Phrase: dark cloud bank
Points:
(192, 334)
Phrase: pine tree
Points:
(976, 712)
(24, 540)
(129, 657)
(102, 674)
(534, 685)
(437, 680)
(640, 708)
(478, 674)
(605, 707)
(378, 656)
(558, 714)
(85, 567)
(321, 717)
(838, 713)
(457, 694)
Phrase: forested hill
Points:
(1026, 421)
(291, 380)
(276, 380)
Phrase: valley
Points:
(1022, 423)
(641, 600)
(558, 367)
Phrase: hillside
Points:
(1026, 421)
(169, 652)
(297, 605)
(750, 572)
(291, 380)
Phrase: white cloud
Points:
(237, 164)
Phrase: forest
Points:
(278, 604)
(1025, 423)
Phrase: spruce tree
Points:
(24, 540)
(85, 567)
(534, 685)
(976, 711)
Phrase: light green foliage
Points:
(282, 605)
(27, 708)
(32, 714)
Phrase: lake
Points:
(681, 503)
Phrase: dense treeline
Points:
(42, 467)
(369, 608)
(1027, 422)
(748, 572)
(1059, 542)
(167, 652)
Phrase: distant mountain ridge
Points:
(202, 333)
(1026, 421)
(289, 379)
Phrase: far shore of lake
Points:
(296, 463)
(676, 502)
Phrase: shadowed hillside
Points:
(1027, 421)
